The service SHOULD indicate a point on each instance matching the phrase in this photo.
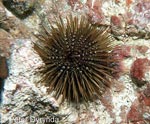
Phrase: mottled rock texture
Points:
(138, 70)
(127, 20)
(21, 8)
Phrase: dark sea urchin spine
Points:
(77, 57)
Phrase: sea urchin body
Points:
(77, 57)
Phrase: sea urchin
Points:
(77, 57)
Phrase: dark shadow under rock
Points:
(3, 74)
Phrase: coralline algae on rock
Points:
(119, 104)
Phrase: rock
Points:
(139, 7)
(146, 116)
(117, 27)
(3, 74)
(1, 88)
(134, 114)
(12, 27)
(2, 16)
(132, 30)
(95, 13)
(20, 8)
(5, 43)
(121, 53)
(141, 16)
(3, 68)
(139, 69)
(28, 105)
(147, 91)
(115, 20)
(142, 49)
(128, 2)
(139, 111)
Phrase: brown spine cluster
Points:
(77, 57)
